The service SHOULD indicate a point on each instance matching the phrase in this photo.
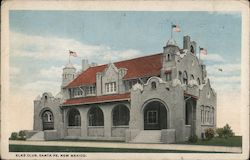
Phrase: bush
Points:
(209, 133)
(193, 139)
(228, 132)
(22, 135)
(225, 132)
(220, 132)
(13, 136)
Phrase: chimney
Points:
(186, 42)
(85, 64)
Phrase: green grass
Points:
(235, 141)
(33, 148)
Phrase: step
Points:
(148, 136)
(39, 136)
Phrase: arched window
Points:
(180, 76)
(153, 85)
(185, 77)
(120, 115)
(169, 57)
(95, 115)
(74, 118)
(198, 81)
(192, 77)
(202, 114)
(192, 49)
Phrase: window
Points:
(120, 115)
(185, 78)
(152, 117)
(168, 57)
(202, 112)
(153, 85)
(192, 77)
(110, 87)
(168, 75)
(198, 81)
(180, 76)
(95, 115)
(74, 118)
(47, 116)
(90, 90)
(212, 115)
(77, 92)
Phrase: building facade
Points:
(160, 98)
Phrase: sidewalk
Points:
(132, 146)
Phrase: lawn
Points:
(33, 148)
(235, 141)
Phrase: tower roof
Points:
(171, 42)
(69, 65)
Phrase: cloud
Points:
(227, 80)
(53, 48)
(37, 87)
(212, 57)
(51, 73)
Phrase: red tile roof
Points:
(137, 67)
(97, 99)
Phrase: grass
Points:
(33, 148)
(235, 141)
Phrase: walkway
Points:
(132, 145)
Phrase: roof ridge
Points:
(127, 60)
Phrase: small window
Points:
(198, 81)
(153, 85)
(192, 49)
(110, 87)
(168, 57)
(180, 76)
(185, 78)
(168, 75)
(192, 77)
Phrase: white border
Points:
(220, 5)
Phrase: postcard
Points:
(125, 80)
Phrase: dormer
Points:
(110, 80)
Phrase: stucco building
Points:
(160, 98)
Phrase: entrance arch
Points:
(155, 116)
(48, 120)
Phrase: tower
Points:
(69, 72)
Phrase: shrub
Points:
(220, 132)
(13, 136)
(225, 132)
(21, 135)
(228, 132)
(193, 139)
(209, 133)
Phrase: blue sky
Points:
(102, 36)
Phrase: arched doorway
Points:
(155, 116)
(48, 120)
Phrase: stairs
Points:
(148, 136)
(39, 136)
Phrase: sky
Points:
(40, 40)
